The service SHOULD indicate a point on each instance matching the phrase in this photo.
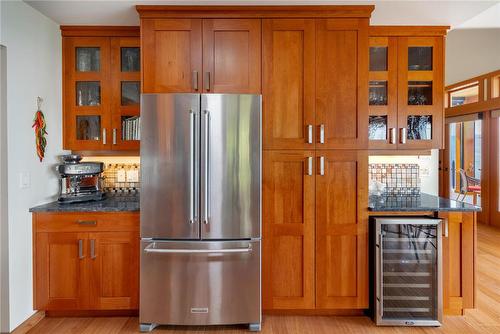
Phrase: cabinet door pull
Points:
(195, 80)
(114, 136)
(86, 222)
(322, 133)
(92, 249)
(392, 135)
(445, 227)
(104, 136)
(207, 81)
(402, 136)
(321, 165)
(309, 134)
(80, 249)
(310, 166)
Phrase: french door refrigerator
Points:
(200, 210)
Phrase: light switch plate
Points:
(24, 180)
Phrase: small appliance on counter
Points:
(80, 181)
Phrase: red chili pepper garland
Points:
(40, 131)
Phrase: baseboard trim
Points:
(93, 313)
(29, 323)
(336, 312)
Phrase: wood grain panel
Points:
(232, 55)
(341, 230)
(342, 82)
(288, 83)
(171, 50)
(288, 230)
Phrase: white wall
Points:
(33, 69)
(471, 52)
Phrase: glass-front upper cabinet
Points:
(86, 71)
(382, 94)
(125, 74)
(420, 92)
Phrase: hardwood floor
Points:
(484, 319)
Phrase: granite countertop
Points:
(415, 203)
(113, 202)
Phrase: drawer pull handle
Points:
(80, 249)
(86, 222)
(92, 249)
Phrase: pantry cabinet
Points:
(201, 55)
(86, 264)
(101, 88)
(406, 106)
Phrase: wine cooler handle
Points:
(381, 274)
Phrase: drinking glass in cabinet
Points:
(419, 127)
(378, 58)
(130, 93)
(378, 93)
(420, 58)
(419, 93)
(130, 60)
(131, 128)
(88, 127)
(88, 59)
(88, 93)
(377, 128)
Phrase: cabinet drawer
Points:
(85, 221)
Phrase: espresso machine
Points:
(80, 181)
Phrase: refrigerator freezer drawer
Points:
(200, 282)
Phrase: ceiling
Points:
(457, 14)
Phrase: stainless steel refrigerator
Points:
(200, 210)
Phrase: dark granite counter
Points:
(415, 203)
(112, 203)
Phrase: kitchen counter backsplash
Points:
(122, 178)
(394, 179)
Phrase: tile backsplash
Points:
(398, 178)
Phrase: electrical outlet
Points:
(120, 175)
(24, 180)
(133, 175)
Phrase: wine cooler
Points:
(408, 282)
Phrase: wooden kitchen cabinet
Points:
(86, 261)
(315, 230)
(288, 230)
(184, 55)
(342, 230)
(341, 83)
(288, 57)
(101, 88)
(406, 107)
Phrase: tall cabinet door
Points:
(288, 84)
(232, 55)
(420, 92)
(342, 83)
(114, 268)
(86, 93)
(288, 230)
(61, 271)
(171, 55)
(341, 229)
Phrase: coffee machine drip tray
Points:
(81, 197)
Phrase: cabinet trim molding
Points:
(100, 31)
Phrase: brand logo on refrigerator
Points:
(199, 309)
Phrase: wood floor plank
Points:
(485, 319)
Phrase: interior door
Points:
(231, 55)
(169, 166)
(342, 83)
(171, 55)
(230, 166)
(341, 229)
(288, 57)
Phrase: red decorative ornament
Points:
(40, 130)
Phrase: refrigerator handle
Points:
(191, 166)
(151, 249)
(207, 162)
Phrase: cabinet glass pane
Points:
(131, 127)
(88, 93)
(130, 60)
(88, 59)
(378, 93)
(88, 127)
(377, 128)
(130, 93)
(420, 58)
(419, 127)
(378, 58)
(419, 93)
